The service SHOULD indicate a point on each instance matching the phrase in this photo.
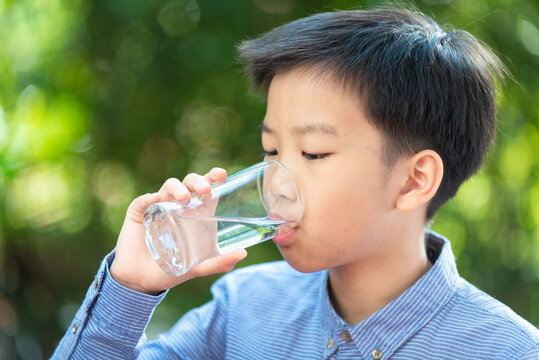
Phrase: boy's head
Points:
(421, 87)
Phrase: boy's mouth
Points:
(285, 232)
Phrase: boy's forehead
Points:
(313, 103)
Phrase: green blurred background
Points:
(101, 101)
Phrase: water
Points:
(234, 233)
(179, 243)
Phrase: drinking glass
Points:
(244, 210)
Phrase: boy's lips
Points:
(285, 232)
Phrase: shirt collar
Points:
(388, 328)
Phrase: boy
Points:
(380, 116)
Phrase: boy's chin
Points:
(303, 265)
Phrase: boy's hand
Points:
(133, 265)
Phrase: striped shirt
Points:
(271, 311)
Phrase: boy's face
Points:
(320, 134)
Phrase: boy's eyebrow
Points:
(305, 129)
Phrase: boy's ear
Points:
(424, 172)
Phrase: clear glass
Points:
(244, 210)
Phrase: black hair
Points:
(422, 87)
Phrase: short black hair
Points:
(422, 87)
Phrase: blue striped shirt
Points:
(271, 311)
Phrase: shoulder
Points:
(494, 311)
(475, 317)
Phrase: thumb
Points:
(228, 261)
(219, 264)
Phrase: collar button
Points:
(376, 354)
(331, 342)
(346, 336)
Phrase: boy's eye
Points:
(314, 156)
(305, 155)
(269, 153)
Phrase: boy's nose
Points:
(281, 194)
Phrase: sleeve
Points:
(110, 324)
(199, 334)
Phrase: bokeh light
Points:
(49, 195)
(474, 196)
(194, 123)
(529, 35)
(179, 16)
(114, 187)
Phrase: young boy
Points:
(379, 115)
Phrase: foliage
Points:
(102, 100)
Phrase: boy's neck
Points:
(360, 289)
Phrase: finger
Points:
(216, 175)
(197, 183)
(143, 201)
(136, 209)
(220, 264)
(173, 189)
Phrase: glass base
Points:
(164, 240)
